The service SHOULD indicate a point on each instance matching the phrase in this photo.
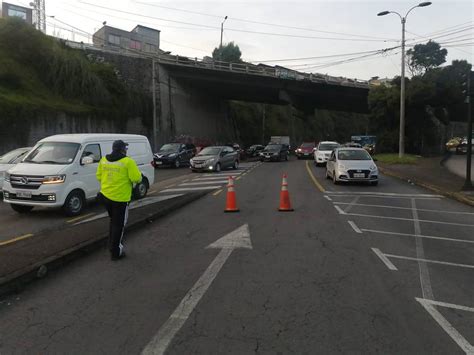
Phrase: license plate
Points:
(359, 175)
(23, 194)
(159, 163)
(306, 154)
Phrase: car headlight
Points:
(7, 176)
(210, 161)
(373, 168)
(342, 167)
(172, 155)
(54, 179)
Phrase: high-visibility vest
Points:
(117, 178)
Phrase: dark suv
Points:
(275, 152)
(174, 154)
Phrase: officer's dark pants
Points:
(118, 213)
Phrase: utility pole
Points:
(263, 124)
(222, 34)
(467, 183)
(401, 138)
(155, 125)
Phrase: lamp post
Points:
(401, 140)
(222, 34)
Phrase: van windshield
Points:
(53, 153)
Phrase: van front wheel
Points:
(74, 203)
(21, 208)
(141, 189)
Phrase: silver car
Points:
(9, 160)
(352, 164)
(215, 159)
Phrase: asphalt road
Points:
(354, 269)
(14, 225)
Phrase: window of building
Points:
(135, 44)
(113, 39)
(150, 48)
(15, 12)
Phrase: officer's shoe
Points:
(121, 256)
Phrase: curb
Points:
(16, 281)
(453, 195)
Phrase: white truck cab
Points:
(60, 171)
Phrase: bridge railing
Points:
(263, 70)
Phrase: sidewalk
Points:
(431, 174)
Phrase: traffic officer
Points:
(117, 173)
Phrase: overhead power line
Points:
(238, 30)
(261, 23)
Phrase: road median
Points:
(32, 258)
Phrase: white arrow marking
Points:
(239, 238)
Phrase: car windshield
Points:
(53, 153)
(14, 156)
(328, 147)
(353, 155)
(210, 151)
(171, 147)
(273, 147)
(307, 145)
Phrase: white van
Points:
(60, 171)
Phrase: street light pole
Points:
(467, 183)
(222, 34)
(401, 138)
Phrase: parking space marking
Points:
(414, 235)
(352, 204)
(384, 259)
(210, 178)
(217, 192)
(429, 306)
(354, 227)
(402, 257)
(425, 279)
(338, 209)
(194, 183)
(184, 189)
(17, 239)
(408, 219)
(80, 217)
(383, 194)
(313, 178)
(349, 194)
(402, 208)
(327, 198)
(151, 192)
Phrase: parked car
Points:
(351, 164)
(174, 154)
(453, 143)
(9, 160)
(254, 150)
(370, 148)
(241, 152)
(461, 148)
(323, 152)
(274, 152)
(352, 145)
(215, 159)
(60, 171)
(305, 150)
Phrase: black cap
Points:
(119, 146)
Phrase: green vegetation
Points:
(229, 52)
(394, 159)
(40, 75)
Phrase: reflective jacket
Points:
(117, 173)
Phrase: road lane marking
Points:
(184, 189)
(414, 235)
(239, 238)
(80, 217)
(409, 219)
(315, 181)
(204, 183)
(351, 204)
(425, 280)
(235, 173)
(402, 208)
(169, 186)
(17, 239)
(211, 178)
(428, 305)
(217, 192)
(401, 257)
(383, 194)
(354, 227)
(388, 197)
(327, 198)
(339, 209)
(384, 259)
(151, 192)
(240, 177)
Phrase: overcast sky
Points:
(352, 26)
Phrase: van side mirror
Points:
(87, 160)
(223, 154)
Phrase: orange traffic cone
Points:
(285, 204)
(231, 204)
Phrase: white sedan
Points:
(323, 151)
(352, 164)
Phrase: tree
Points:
(424, 57)
(229, 52)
